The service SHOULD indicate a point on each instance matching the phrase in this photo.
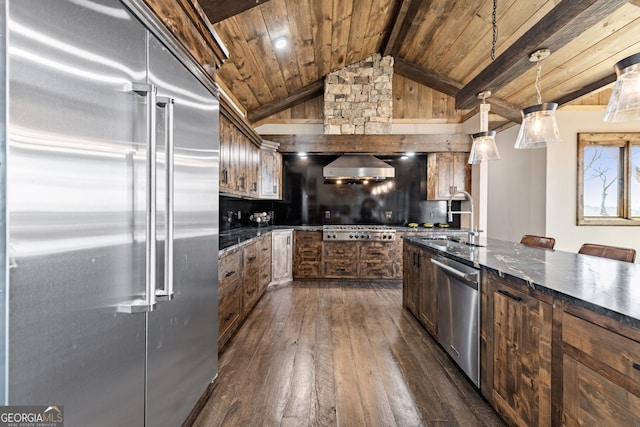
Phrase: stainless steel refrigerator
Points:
(109, 222)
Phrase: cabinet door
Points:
(447, 173)
(225, 154)
(601, 376)
(411, 279)
(268, 174)
(429, 293)
(282, 255)
(518, 353)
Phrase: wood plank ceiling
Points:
(442, 44)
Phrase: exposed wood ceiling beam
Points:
(560, 26)
(452, 87)
(301, 95)
(585, 90)
(400, 27)
(381, 144)
(219, 10)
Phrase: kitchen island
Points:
(559, 332)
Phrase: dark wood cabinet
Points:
(307, 254)
(516, 340)
(411, 279)
(420, 287)
(380, 260)
(600, 371)
(340, 260)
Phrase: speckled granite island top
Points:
(605, 286)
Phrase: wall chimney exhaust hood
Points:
(357, 168)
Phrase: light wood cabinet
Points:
(282, 254)
(270, 171)
(600, 371)
(230, 310)
(307, 254)
(447, 173)
(516, 352)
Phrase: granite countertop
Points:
(605, 286)
(232, 239)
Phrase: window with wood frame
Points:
(608, 179)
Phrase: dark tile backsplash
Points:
(308, 200)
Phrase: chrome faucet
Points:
(473, 232)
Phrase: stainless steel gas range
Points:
(380, 233)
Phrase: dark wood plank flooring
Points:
(339, 354)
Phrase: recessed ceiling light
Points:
(280, 43)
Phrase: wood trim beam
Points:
(586, 89)
(451, 87)
(219, 10)
(400, 27)
(375, 144)
(556, 29)
(301, 95)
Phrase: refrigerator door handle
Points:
(147, 302)
(166, 293)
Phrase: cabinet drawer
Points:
(264, 245)
(376, 250)
(340, 250)
(229, 311)
(381, 269)
(306, 269)
(250, 254)
(340, 268)
(229, 268)
(616, 351)
(308, 236)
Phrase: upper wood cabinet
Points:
(270, 171)
(447, 173)
(516, 363)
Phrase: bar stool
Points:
(539, 241)
(612, 252)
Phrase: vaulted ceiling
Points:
(443, 44)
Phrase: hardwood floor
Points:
(339, 354)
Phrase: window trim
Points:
(624, 141)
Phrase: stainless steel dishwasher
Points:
(459, 314)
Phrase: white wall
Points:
(562, 185)
(516, 187)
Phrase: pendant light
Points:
(539, 126)
(624, 104)
(484, 142)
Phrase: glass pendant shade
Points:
(624, 104)
(539, 126)
(483, 147)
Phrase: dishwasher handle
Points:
(471, 277)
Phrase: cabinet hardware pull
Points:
(508, 295)
(251, 258)
(230, 316)
(229, 273)
(636, 366)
